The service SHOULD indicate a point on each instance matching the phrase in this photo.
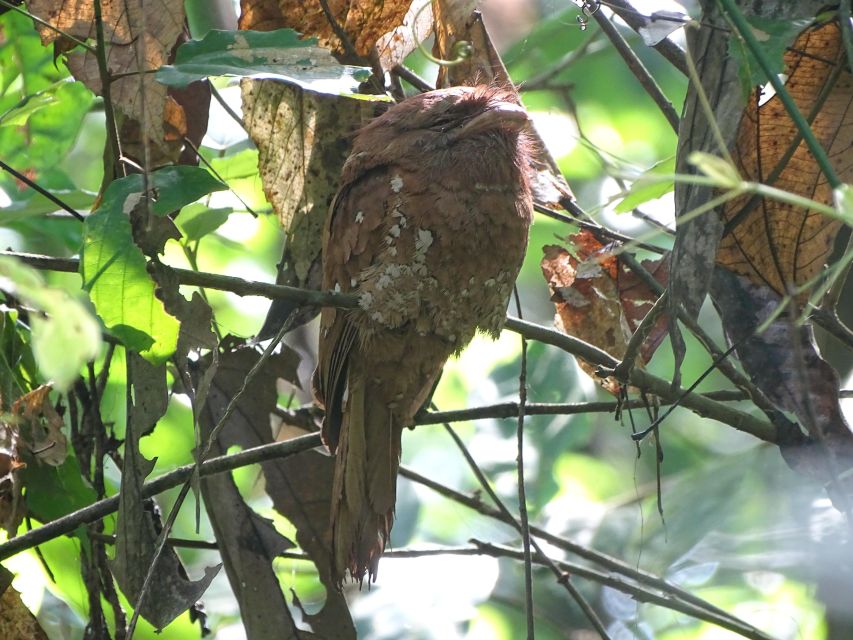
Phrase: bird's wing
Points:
(352, 240)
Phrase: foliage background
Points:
(738, 528)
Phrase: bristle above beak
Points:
(504, 116)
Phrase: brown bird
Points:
(429, 227)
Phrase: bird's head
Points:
(437, 121)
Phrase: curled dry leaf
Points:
(131, 36)
(773, 243)
(365, 22)
(42, 426)
(598, 300)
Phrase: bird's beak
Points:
(504, 116)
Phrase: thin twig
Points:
(636, 20)
(412, 78)
(636, 66)
(632, 349)
(725, 366)
(226, 107)
(522, 493)
(543, 80)
(507, 517)
(217, 175)
(106, 91)
(37, 187)
(339, 31)
(740, 420)
(102, 508)
(700, 609)
(580, 221)
(239, 286)
(654, 425)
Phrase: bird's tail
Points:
(367, 460)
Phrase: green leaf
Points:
(652, 184)
(775, 36)
(721, 172)
(65, 334)
(114, 274)
(175, 187)
(36, 204)
(279, 54)
(21, 112)
(243, 164)
(197, 221)
(45, 482)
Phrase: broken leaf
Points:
(599, 300)
(299, 486)
(138, 525)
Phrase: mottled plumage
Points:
(429, 227)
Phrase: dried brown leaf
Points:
(599, 300)
(42, 426)
(303, 139)
(583, 289)
(365, 22)
(134, 32)
(299, 486)
(772, 243)
(11, 503)
(637, 299)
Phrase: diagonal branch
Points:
(704, 406)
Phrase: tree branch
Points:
(102, 508)
(636, 20)
(705, 407)
(699, 608)
(636, 66)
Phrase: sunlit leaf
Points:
(65, 334)
(279, 54)
(114, 274)
(197, 221)
(652, 184)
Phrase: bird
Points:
(429, 229)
